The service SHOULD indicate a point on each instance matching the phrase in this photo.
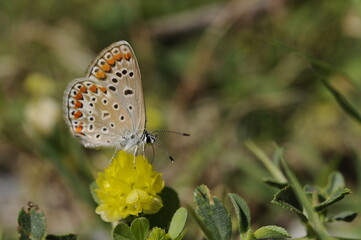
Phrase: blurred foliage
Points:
(224, 71)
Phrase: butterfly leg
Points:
(135, 154)
(143, 146)
(115, 153)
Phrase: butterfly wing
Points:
(107, 108)
(94, 114)
(118, 68)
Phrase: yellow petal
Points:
(153, 206)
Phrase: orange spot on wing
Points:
(77, 115)
(93, 88)
(99, 74)
(79, 96)
(103, 89)
(78, 129)
(106, 67)
(127, 56)
(78, 104)
(111, 61)
(83, 89)
(118, 56)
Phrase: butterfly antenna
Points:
(167, 131)
(164, 150)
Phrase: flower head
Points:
(128, 187)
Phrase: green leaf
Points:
(178, 222)
(216, 222)
(140, 228)
(346, 216)
(274, 183)
(341, 100)
(249, 235)
(92, 187)
(242, 212)
(32, 223)
(271, 232)
(287, 199)
(158, 234)
(335, 182)
(335, 197)
(170, 205)
(122, 232)
(62, 237)
(201, 223)
(181, 235)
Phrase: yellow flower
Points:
(125, 188)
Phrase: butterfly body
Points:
(106, 108)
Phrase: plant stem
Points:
(267, 162)
(314, 220)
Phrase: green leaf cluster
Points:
(321, 198)
(140, 229)
(310, 203)
(215, 221)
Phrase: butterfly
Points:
(106, 108)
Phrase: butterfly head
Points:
(149, 138)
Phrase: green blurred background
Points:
(224, 71)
